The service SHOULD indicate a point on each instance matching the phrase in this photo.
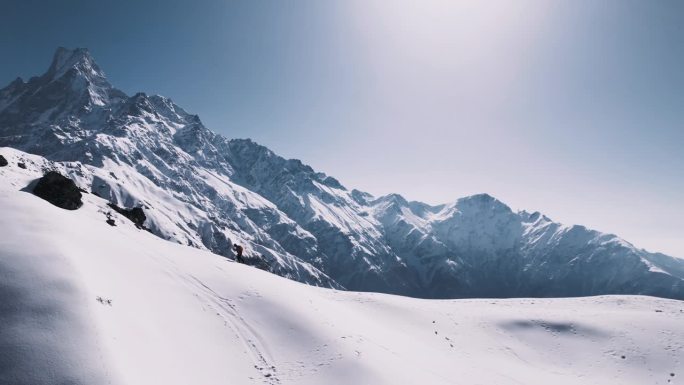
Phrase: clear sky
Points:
(574, 108)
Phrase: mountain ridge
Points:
(208, 191)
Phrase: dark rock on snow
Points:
(136, 215)
(3, 161)
(58, 190)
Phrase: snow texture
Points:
(83, 302)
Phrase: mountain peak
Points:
(80, 59)
(394, 198)
(481, 201)
(67, 57)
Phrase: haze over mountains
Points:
(204, 190)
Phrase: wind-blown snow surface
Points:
(201, 189)
(179, 315)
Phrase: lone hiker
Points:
(238, 249)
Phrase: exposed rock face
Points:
(59, 190)
(136, 215)
(3, 161)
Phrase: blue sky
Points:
(573, 108)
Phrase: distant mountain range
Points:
(201, 189)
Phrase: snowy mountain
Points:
(83, 302)
(201, 189)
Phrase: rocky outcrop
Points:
(136, 215)
(59, 190)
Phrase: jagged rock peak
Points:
(79, 59)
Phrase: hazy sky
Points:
(573, 108)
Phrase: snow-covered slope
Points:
(204, 190)
(82, 302)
